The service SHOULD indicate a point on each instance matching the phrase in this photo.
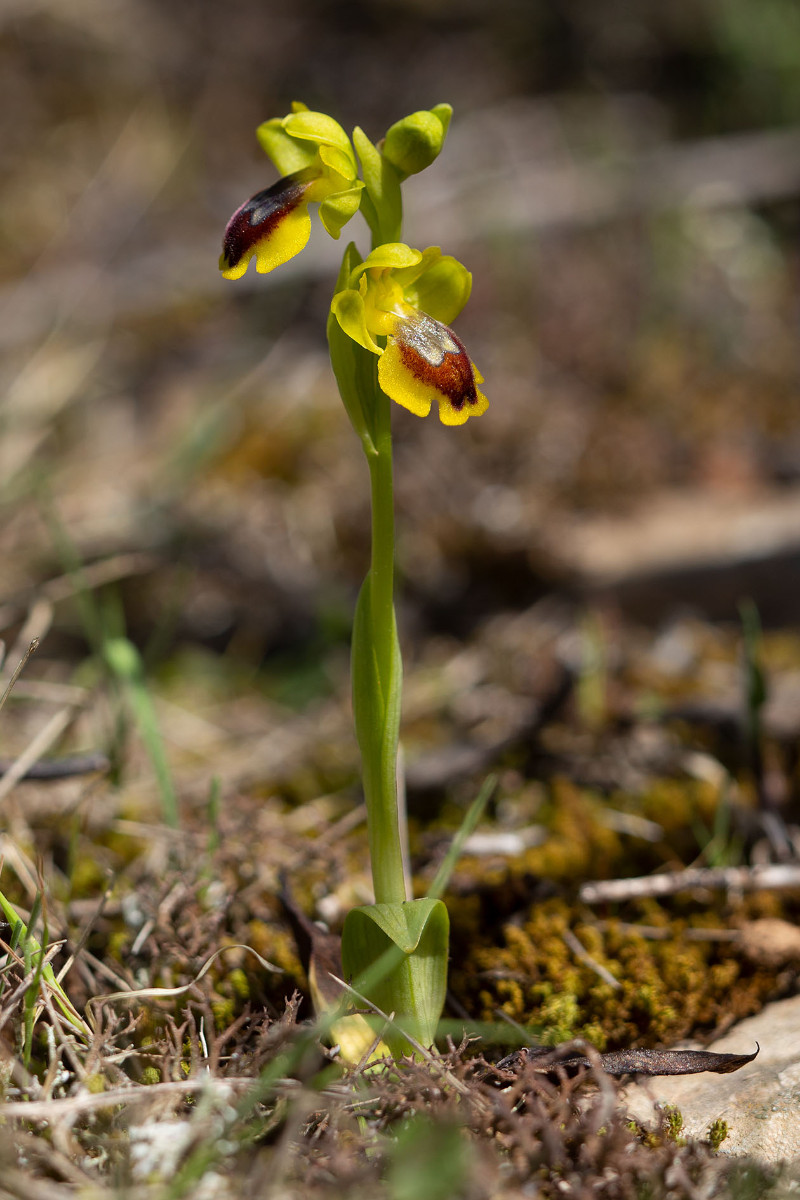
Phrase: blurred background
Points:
(622, 180)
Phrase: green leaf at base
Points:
(412, 982)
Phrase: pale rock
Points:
(760, 1103)
(771, 942)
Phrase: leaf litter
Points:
(205, 1027)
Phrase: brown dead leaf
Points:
(627, 1062)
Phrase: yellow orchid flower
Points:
(407, 298)
(318, 164)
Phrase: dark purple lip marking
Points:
(260, 216)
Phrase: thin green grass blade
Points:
(471, 818)
(125, 661)
(31, 948)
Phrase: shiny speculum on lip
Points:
(429, 338)
(434, 354)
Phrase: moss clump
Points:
(716, 1133)
(224, 1013)
(87, 878)
(237, 980)
(276, 945)
(561, 1016)
(511, 921)
(118, 944)
(579, 844)
(669, 987)
(673, 1120)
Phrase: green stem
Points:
(384, 832)
(382, 565)
(386, 852)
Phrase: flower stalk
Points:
(385, 842)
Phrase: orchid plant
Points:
(389, 339)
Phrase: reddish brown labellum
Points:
(438, 358)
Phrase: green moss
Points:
(277, 945)
(224, 1013)
(119, 944)
(560, 1015)
(88, 878)
(237, 980)
(580, 844)
(716, 1133)
(669, 988)
(673, 1119)
(509, 951)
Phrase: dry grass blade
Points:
(20, 1185)
(39, 745)
(33, 645)
(159, 993)
(94, 575)
(34, 627)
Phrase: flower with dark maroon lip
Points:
(318, 164)
(407, 298)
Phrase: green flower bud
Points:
(412, 144)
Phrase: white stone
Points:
(760, 1102)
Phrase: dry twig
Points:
(771, 877)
